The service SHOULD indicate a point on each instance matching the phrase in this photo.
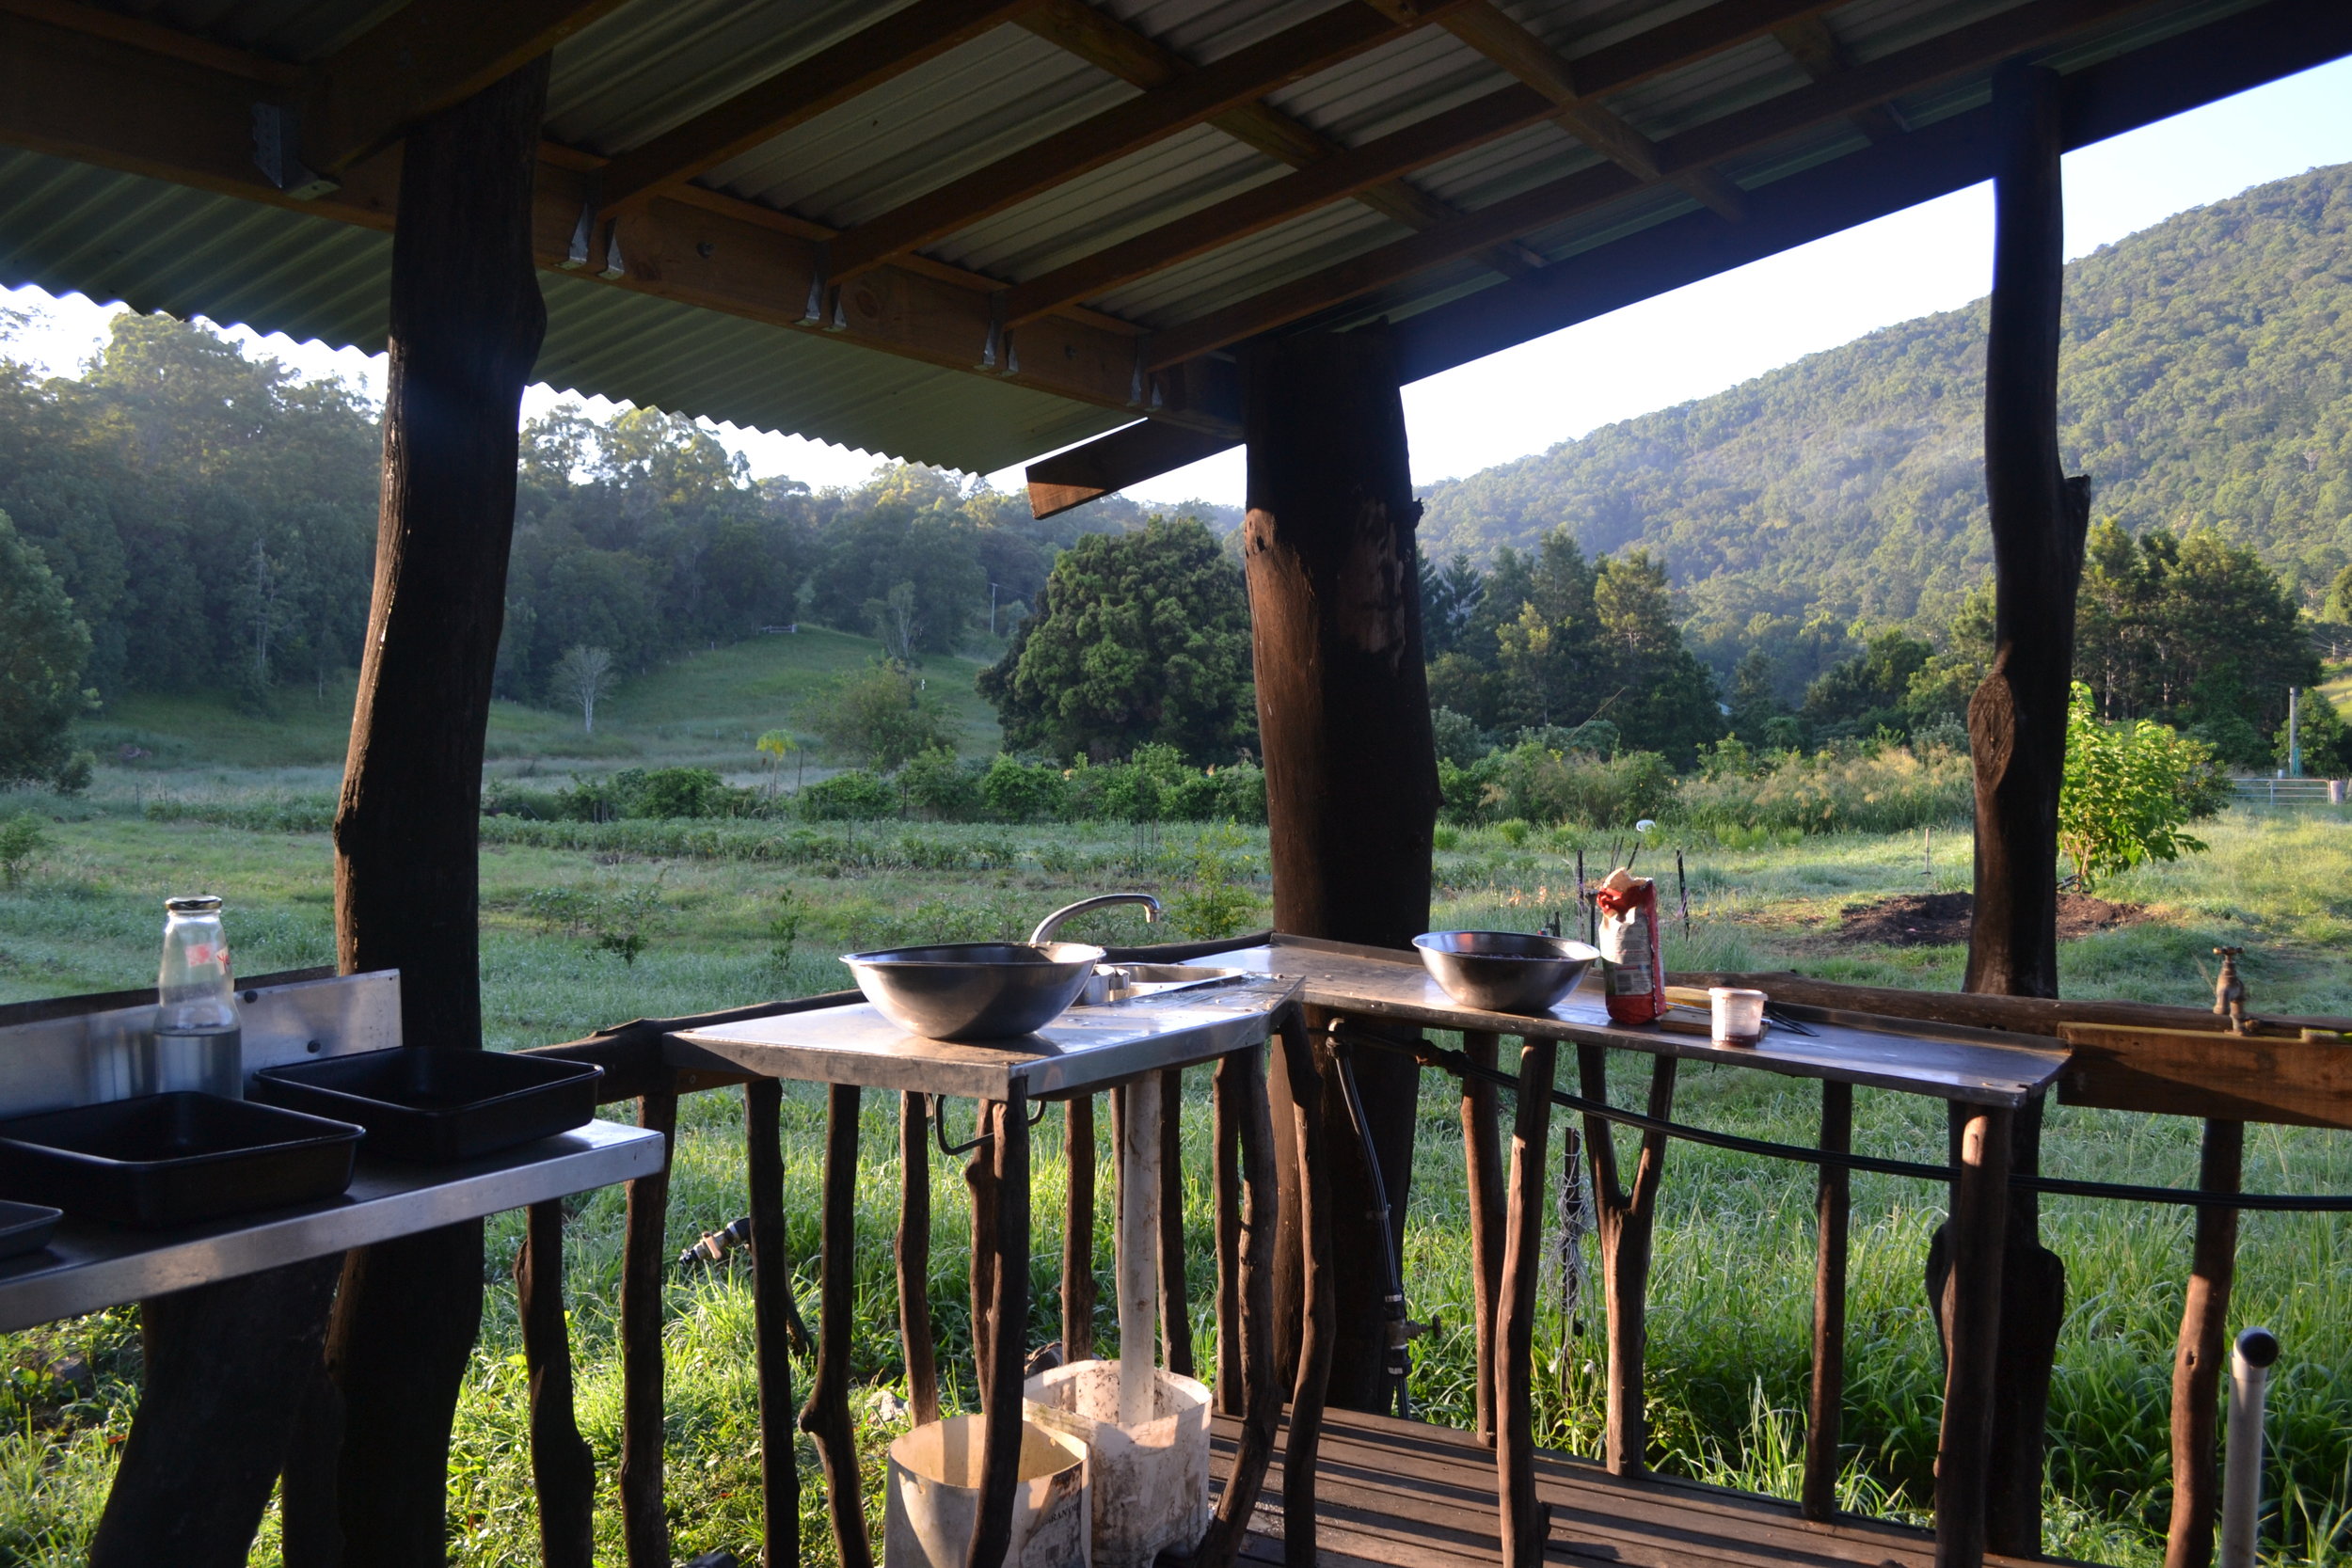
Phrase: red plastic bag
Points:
(1633, 965)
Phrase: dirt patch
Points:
(1941, 919)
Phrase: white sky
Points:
(1680, 345)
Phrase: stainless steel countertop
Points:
(1085, 1048)
(1948, 1062)
(90, 1266)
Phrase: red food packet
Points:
(1632, 966)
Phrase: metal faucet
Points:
(1046, 928)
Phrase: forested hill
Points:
(2206, 381)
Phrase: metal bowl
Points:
(973, 990)
(1504, 972)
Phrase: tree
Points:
(1138, 638)
(1871, 689)
(43, 649)
(2129, 790)
(583, 675)
(883, 715)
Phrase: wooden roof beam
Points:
(1819, 56)
(423, 57)
(1510, 45)
(800, 92)
(1962, 50)
(1311, 46)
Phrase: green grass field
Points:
(1731, 1293)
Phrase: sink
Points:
(1124, 982)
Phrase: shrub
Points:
(856, 796)
(1241, 793)
(1216, 900)
(1457, 737)
(74, 773)
(2129, 790)
(1024, 792)
(941, 787)
(670, 792)
(1543, 785)
(20, 839)
(881, 716)
(1845, 788)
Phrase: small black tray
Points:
(420, 1103)
(26, 1227)
(173, 1159)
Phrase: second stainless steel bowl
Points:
(973, 990)
(1503, 972)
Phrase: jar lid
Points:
(197, 903)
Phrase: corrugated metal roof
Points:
(652, 65)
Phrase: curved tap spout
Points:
(1052, 923)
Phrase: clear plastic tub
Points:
(1738, 1015)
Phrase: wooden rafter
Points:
(101, 96)
(1965, 49)
(1352, 171)
(1245, 75)
(425, 57)
(1819, 56)
(1510, 45)
(800, 92)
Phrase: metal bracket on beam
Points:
(614, 268)
(583, 234)
(992, 346)
(278, 153)
(1143, 383)
(819, 277)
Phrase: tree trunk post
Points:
(1832, 1210)
(1344, 722)
(1522, 1520)
(771, 1295)
(1482, 1152)
(563, 1470)
(1970, 1314)
(2202, 1350)
(2017, 731)
(916, 1341)
(465, 322)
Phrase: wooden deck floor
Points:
(1399, 1492)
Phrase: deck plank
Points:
(1394, 1493)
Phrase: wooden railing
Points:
(1506, 1216)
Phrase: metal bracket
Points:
(1140, 383)
(612, 267)
(936, 1113)
(584, 233)
(991, 347)
(821, 273)
(278, 153)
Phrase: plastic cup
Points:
(1738, 1015)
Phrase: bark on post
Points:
(563, 1470)
(2203, 1347)
(466, 324)
(1344, 722)
(1482, 1151)
(2017, 731)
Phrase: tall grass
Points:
(1859, 790)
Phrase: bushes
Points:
(1845, 788)
(856, 796)
(1024, 791)
(2130, 790)
(1532, 783)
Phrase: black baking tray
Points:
(173, 1159)
(26, 1228)
(420, 1103)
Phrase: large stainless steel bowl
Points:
(973, 990)
(1504, 972)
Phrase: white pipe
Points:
(1139, 1247)
(2242, 1468)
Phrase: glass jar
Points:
(199, 1039)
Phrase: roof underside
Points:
(1030, 188)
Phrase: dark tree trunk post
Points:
(1343, 720)
(1310, 1388)
(1077, 1237)
(1970, 1314)
(1175, 1302)
(771, 1295)
(1008, 1313)
(204, 1448)
(827, 1416)
(2017, 728)
(1482, 1151)
(1832, 1208)
(2197, 1361)
(917, 1339)
(1243, 1117)
(465, 325)
(1522, 1525)
(644, 1256)
(1627, 1220)
(563, 1471)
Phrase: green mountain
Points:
(2206, 383)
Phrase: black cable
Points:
(1460, 1065)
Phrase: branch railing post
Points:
(1522, 1525)
(563, 1471)
(1626, 1221)
(1175, 1305)
(644, 1520)
(1243, 1111)
(1008, 1153)
(827, 1416)
(1077, 1237)
(1971, 1313)
(1832, 1210)
(2202, 1350)
(917, 1343)
(772, 1297)
(1482, 1153)
(1318, 1314)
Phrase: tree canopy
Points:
(1140, 638)
(43, 649)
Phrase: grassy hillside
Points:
(706, 707)
(2204, 383)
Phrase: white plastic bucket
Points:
(933, 1502)
(1150, 1482)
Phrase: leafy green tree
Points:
(2326, 745)
(43, 649)
(882, 715)
(1663, 698)
(1871, 689)
(2130, 788)
(1138, 638)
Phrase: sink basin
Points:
(974, 990)
(1503, 972)
(1132, 982)
(419, 1103)
(173, 1159)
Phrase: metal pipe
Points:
(1046, 928)
(2242, 1466)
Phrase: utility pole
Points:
(992, 610)
(2294, 734)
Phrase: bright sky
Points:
(1675, 347)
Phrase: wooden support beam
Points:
(1343, 720)
(1512, 1400)
(826, 1417)
(1175, 1305)
(1077, 1234)
(1299, 50)
(425, 57)
(1481, 1151)
(1957, 53)
(1007, 1123)
(772, 1316)
(1832, 1210)
(1302, 1109)
(917, 1341)
(1819, 56)
(645, 1262)
(1141, 451)
(1626, 1220)
(1970, 1314)
(798, 93)
(1245, 1312)
(2017, 718)
(226, 1368)
(465, 325)
(2202, 1350)
(563, 1471)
